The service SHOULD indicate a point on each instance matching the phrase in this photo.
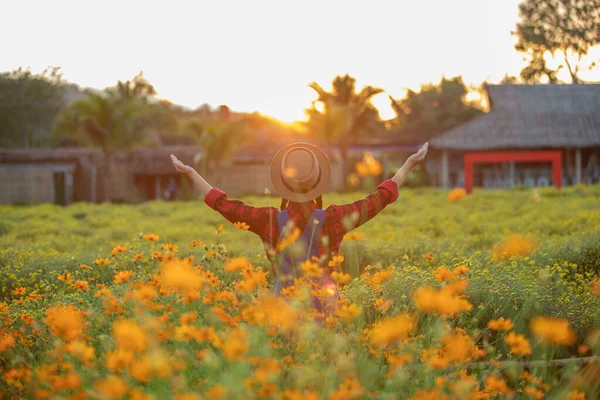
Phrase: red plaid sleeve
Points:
(262, 220)
(350, 216)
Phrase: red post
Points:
(468, 167)
(554, 156)
(557, 170)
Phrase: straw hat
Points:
(300, 172)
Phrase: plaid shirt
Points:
(339, 219)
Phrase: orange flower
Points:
(138, 256)
(392, 330)
(289, 239)
(352, 236)
(195, 243)
(112, 388)
(382, 305)
(336, 261)
(495, 385)
(349, 389)
(235, 346)
(446, 301)
(369, 166)
(500, 324)
(348, 312)
(341, 278)
(461, 270)
(216, 392)
(118, 250)
(513, 246)
(84, 266)
(534, 392)
(81, 285)
(242, 226)
(19, 291)
(173, 248)
(181, 276)
(311, 269)
(65, 322)
(119, 359)
(576, 395)
(6, 342)
(557, 331)
(81, 351)
(129, 335)
(220, 228)
(122, 276)
(151, 237)
(456, 194)
(276, 312)
(101, 261)
(237, 264)
(595, 287)
(66, 277)
(518, 344)
(443, 274)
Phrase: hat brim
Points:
(282, 188)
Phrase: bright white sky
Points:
(260, 55)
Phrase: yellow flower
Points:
(129, 335)
(151, 237)
(118, 249)
(65, 322)
(122, 276)
(112, 388)
(66, 277)
(242, 226)
(348, 312)
(101, 261)
(456, 194)
(500, 324)
(392, 330)
(557, 331)
(311, 269)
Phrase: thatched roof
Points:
(531, 116)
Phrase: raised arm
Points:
(351, 216)
(259, 219)
(197, 180)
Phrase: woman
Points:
(300, 173)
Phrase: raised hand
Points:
(181, 167)
(417, 157)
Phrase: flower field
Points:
(494, 295)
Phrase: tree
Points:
(119, 119)
(343, 115)
(566, 27)
(433, 110)
(28, 105)
(219, 136)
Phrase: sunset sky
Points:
(260, 55)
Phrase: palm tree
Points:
(344, 115)
(117, 120)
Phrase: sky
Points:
(260, 55)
